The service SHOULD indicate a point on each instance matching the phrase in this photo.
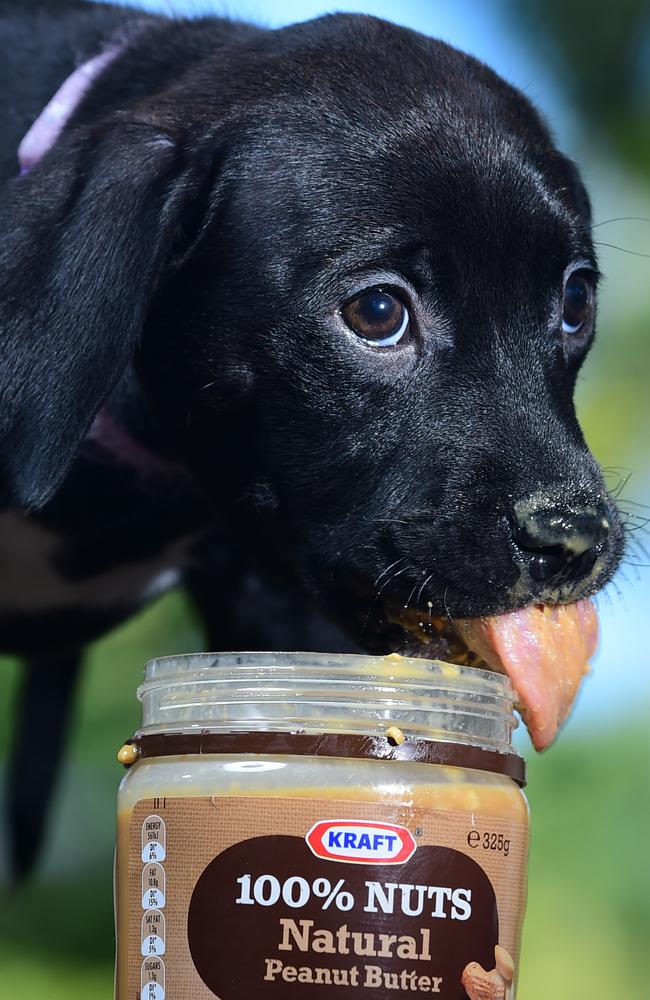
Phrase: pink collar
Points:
(59, 110)
(114, 440)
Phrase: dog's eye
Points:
(578, 303)
(378, 316)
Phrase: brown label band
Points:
(333, 745)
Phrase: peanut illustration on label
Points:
(493, 985)
(505, 964)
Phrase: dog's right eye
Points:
(578, 306)
(378, 317)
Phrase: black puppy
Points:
(293, 317)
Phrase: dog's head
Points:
(356, 277)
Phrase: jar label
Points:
(305, 898)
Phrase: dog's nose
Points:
(555, 539)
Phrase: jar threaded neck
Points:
(324, 693)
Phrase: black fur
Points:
(47, 692)
(180, 258)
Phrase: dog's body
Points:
(181, 402)
(126, 525)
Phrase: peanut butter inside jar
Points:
(298, 825)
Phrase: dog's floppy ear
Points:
(84, 238)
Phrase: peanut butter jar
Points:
(298, 825)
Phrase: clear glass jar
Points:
(306, 825)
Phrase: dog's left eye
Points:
(378, 317)
(578, 303)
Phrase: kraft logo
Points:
(360, 842)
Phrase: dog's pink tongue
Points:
(545, 651)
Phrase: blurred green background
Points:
(588, 65)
